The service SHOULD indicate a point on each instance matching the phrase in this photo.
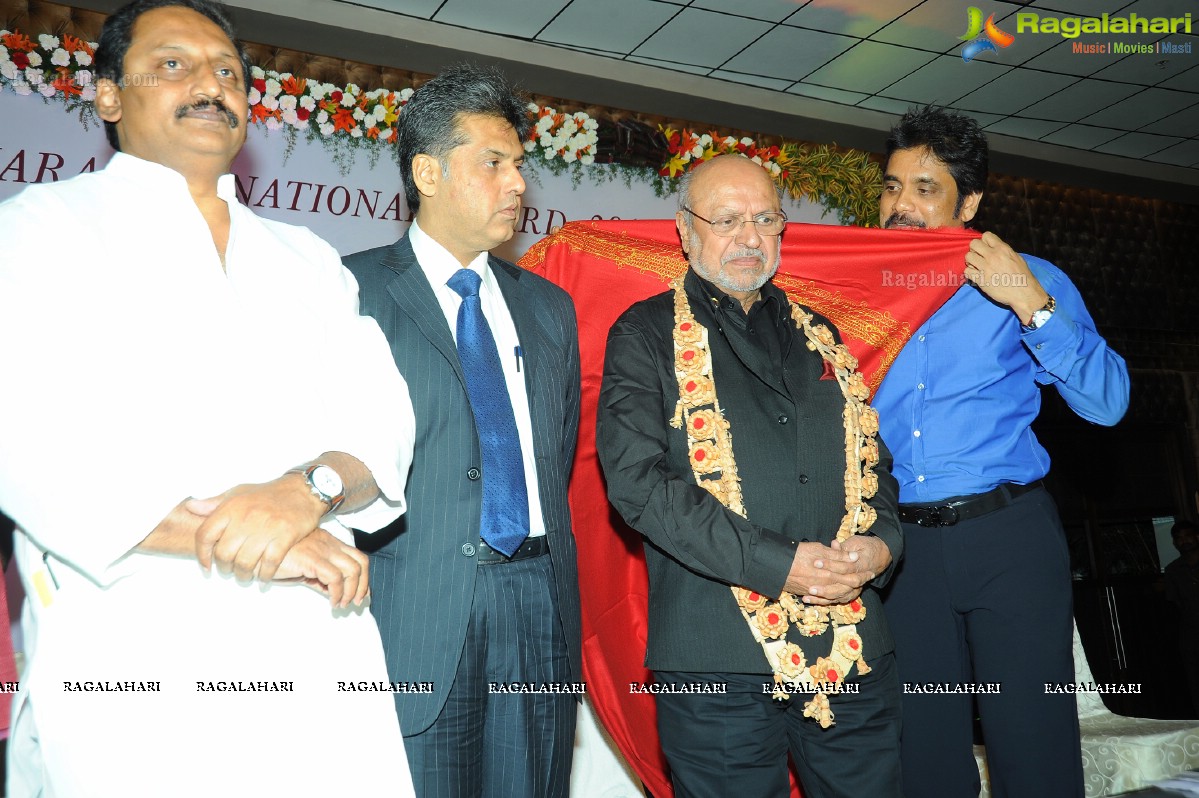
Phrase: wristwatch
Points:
(1039, 317)
(324, 482)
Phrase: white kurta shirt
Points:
(138, 373)
(439, 266)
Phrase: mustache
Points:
(200, 105)
(900, 218)
(744, 252)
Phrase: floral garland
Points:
(710, 452)
(346, 118)
(847, 182)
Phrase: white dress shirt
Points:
(138, 373)
(439, 266)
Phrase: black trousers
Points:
(735, 745)
(987, 601)
(489, 744)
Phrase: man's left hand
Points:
(1004, 276)
(251, 528)
(873, 556)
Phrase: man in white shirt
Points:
(189, 386)
(476, 587)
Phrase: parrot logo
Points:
(991, 37)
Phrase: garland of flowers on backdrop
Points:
(346, 119)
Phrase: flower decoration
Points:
(791, 660)
(772, 621)
(570, 137)
(749, 600)
(51, 66)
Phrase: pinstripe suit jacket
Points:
(423, 566)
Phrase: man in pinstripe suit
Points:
(458, 617)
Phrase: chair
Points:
(1120, 753)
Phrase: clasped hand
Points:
(269, 532)
(835, 574)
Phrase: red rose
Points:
(335, 95)
(20, 59)
(302, 114)
(259, 84)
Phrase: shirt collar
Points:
(437, 262)
(770, 300)
(151, 173)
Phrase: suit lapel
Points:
(411, 291)
(528, 328)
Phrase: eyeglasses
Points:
(770, 223)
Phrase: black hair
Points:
(117, 35)
(955, 139)
(430, 123)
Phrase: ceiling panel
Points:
(1079, 101)
(1024, 128)
(1183, 123)
(869, 67)
(1137, 145)
(412, 8)
(789, 53)
(590, 24)
(1142, 108)
(694, 69)
(1184, 154)
(702, 37)
(510, 18)
(766, 10)
(944, 80)
(1188, 80)
(1076, 7)
(850, 17)
(938, 25)
(761, 81)
(1083, 137)
(896, 107)
(1062, 58)
(1014, 90)
(1148, 69)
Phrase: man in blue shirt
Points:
(983, 596)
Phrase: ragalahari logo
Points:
(992, 37)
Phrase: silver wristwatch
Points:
(1039, 317)
(324, 482)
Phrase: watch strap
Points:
(334, 501)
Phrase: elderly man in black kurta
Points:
(734, 437)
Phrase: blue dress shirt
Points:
(956, 406)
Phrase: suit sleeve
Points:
(668, 508)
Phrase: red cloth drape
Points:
(875, 285)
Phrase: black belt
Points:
(949, 512)
(532, 547)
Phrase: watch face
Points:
(327, 481)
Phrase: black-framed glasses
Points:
(768, 223)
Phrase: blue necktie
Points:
(505, 522)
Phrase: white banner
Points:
(41, 142)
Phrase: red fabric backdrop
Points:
(875, 285)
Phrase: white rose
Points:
(356, 132)
(60, 57)
(532, 107)
(387, 134)
(406, 94)
(9, 70)
(47, 41)
(272, 123)
(22, 88)
(322, 118)
(3, 53)
(348, 100)
(569, 156)
(254, 97)
(84, 77)
(88, 93)
(307, 103)
(35, 59)
(273, 87)
(697, 151)
(587, 160)
(270, 102)
(257, 72)
(82, 58)
(287, 102)
(289, 116)
(530, 146)
(47, 90)
(544, 124)
(359, 114)
(33, 76)
(326, 130)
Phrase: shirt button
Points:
(916, 433)
(473, 474)
(803, 479)
(468, 550)
(783, 419)
(1040, 346)
(921, 339)
(920, 387)
(920, 478)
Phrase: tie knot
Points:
(465, 282)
